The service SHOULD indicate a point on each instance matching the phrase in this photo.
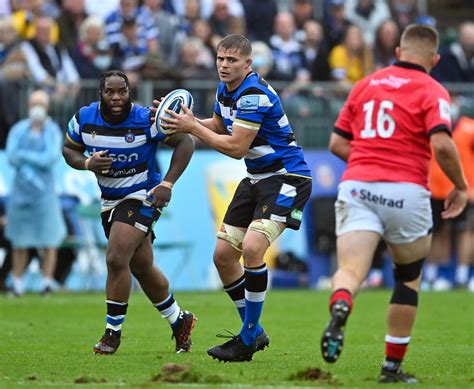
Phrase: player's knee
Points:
(402, 293)
(232, 235)
(269, 228)
(252, 251)
(220, 259)
(115, 262)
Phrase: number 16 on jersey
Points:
(384, 123)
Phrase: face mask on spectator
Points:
(102, 61)
(37, 114)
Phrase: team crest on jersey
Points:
(93, 133)
(130, 213)
(444, 110)
(249, 103)
(129, 137)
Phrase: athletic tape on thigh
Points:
(409, 272)
(231, 234)
(271, 229)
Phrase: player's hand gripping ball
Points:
(172, 101)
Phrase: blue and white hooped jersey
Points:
(132, 145)
(256, 106)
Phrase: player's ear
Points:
(248, 63)
(397, 53)
(435, 60)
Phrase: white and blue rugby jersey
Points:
(132, 145)
(256, 106)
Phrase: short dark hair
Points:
(236, 42)
(104, 76)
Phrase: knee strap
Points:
(231, 234)
(270, 228)
(408, 272)
(404, 295)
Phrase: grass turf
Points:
(48, 342)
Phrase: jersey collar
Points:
(410, 65)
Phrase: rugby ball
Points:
(172, 101)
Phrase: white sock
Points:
(18, 287)
(462, 274)
(431, 271)
(47, 282)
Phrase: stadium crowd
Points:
(57, 44)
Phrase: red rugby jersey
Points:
(389, 117)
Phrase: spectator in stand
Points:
(315, 54)
(13, 67)
(168, 28)
(404, 12)
(260, 18)
(34, 216)
(387, 38)
(102, 9)
(221, 18)
(12, 61)
(367, 15)
(5, 8)
(335, 24)
(92, 54)
(461, 227)
(202, 30)
(352, 60)
(146, 31)
(70, 19)
(196, 63)
(190, 15)
(25, 20)
(130, 50)
(287, 51)
(49, 64)
(302, 11)
(204, 8)
(262, 58)
(237, 26)
(457, 64)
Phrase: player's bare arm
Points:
(215, 124)
(235, 145)
(74, 156)
(340, 146)
(183, 145)
(447, 157)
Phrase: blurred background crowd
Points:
(312, 51)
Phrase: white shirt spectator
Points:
(5, 9)
(379, 13)
(66, 71)
(101, 8)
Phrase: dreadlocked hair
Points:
(104, 76)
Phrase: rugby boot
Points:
(234, 350)
(262, 341)
(332, 339)
(390, 376)
(182, 332)
(109, 343)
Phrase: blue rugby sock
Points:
(236, 291)
(116, 312)
(256, 280)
